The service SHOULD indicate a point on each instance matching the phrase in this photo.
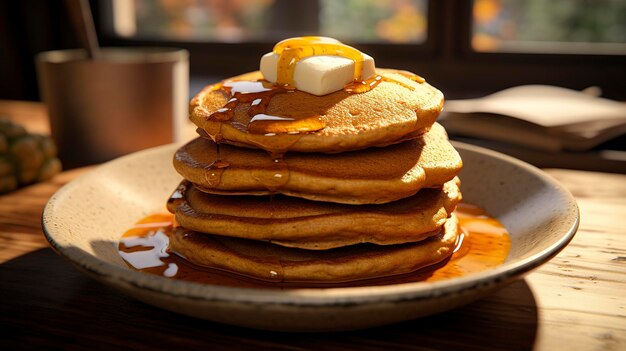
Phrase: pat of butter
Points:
(319, 75)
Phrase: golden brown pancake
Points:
(306, 224)
(390, 112)
(267, 261)
(375, 175)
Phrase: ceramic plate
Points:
(84, 220)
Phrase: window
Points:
(559, 26)
(466, 48)
(366, 21)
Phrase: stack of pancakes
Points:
(370, 194)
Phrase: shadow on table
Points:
(48, 303)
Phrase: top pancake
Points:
(374, 175)
(394, 110)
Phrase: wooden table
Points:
(577, 301)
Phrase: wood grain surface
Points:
(577, 301)
(574, 302)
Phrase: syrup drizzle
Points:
(214, 171)
(277, 178)
(292, 50)
(258, 94)
(363, 86)
(483, 244)
(412, 76)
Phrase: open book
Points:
(538, 116)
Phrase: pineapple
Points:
(24, 158)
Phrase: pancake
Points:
(397, 108)
(294, 222)
(267, 261)
(375, 175)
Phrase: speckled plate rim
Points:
(308, 296)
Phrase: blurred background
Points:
(467, 49)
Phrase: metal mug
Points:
(126, 100)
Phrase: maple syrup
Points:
(363, 86)
(271, 125)
(292, 50)
(412, 76)
(276, 178)
(483, 244)
(258, 94)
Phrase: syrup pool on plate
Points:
(483, 244)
